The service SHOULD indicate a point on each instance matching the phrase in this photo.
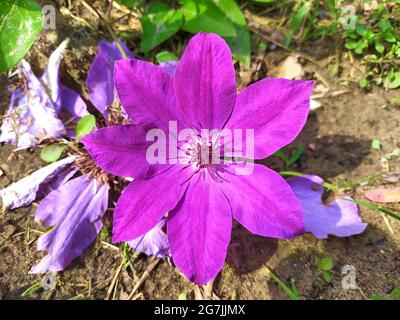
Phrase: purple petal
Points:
(100, 80)
(75, 209)
(169, 67)
(32, 115)
(263, 203)
(153, 243)
(144, 202)
(205, 81)
(39, 183)
(276, 109)
(121, 151)
(68, 103)
(146, 93)
(339, 218)
(199, 230)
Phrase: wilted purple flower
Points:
(201, 198)
(74, 207)
(41, 108)
(340, 217)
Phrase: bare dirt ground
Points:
(338, 146)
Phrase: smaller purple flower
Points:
(41, 108)
(340, 217)
(74, 206)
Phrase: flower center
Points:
(203, 153)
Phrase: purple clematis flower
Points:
(340, 217)
(201, 197)
(74, 206)
(41, 108)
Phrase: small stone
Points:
(9, 230)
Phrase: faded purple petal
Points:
(340, 217)
(169, 67)
(199, 230)
(383, 195)
(39, 109)
(276, 109)
(64, 98)
(147, 93)
(263, 202)
(75, 209)
(153, 243)
(32, 116)
(205, 81)
(121, 150)
(144, 202)
(100, 80)
(39, 183)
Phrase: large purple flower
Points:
(201, 197)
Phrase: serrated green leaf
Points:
(20, 23)
(165, 56)
(52, 152)
(85, 126)
(159, 22)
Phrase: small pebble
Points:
(9, 230)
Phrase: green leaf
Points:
(293, 295)
(364, 84)
(85, 126)
(327, 277)
(222, 17)
(20, 23)
(165, 56)
(299, 16)
(296, 155)
(265, 1)
(392, 81)
(32, 289)
(240, 44)
(159, 22)
(132, 4)
(52, 152)
(389, 37)
(325, 264)
(182, 296)
(376, 144)
(379, 47)
(384, 25)
(204, 15)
